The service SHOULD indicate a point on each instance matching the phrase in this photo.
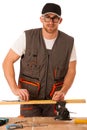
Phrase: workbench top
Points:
(45, 123)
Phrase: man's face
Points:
(50, 22)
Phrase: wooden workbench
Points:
(49, 124)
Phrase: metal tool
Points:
(21, 121)
(16, 126)
(13, 126)
(63, 113)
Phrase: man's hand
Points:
(58, 96)
(22, 93)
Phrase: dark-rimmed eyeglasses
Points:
(54, 19)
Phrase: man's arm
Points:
(69, 78)
(9, 72)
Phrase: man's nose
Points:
(51, 20)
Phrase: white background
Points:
(19, 15)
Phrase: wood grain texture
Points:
(41, 102)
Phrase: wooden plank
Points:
(41, 102)
(75, 101)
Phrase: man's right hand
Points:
(22, 93)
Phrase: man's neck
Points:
(49, 35)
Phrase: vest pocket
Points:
(56, 87)
(33, 70)
(32, 87)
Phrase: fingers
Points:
(58, 96)
(23, 94)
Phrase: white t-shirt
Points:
(19, 46)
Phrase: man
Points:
(47, 65)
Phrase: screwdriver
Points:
(16, 126)
(13, 126)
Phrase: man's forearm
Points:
(69, 78)
(10, 75)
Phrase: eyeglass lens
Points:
(53, 19)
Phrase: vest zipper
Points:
(47, 72)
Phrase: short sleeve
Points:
(73, 54)
(20, 45)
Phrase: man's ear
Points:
(60, 20)
(41, 19)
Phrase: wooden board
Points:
(41, 102)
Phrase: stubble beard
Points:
(50, 30)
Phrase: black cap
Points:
(52, 8)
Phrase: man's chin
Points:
(50, 30)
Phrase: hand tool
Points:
(13, 126)
(62, 111)
(16, 126)
(80, 120)
(3, 121)
(21, 121)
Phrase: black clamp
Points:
(62, 111)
